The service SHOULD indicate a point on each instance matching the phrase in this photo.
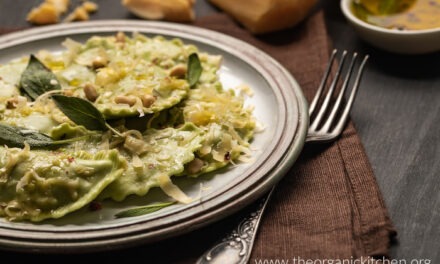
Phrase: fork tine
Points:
(327, 98)
(344, 116)
(323, 82)
(331, 117)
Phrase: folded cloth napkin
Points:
(328, 206)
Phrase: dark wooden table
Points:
(397, 114)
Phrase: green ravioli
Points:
(166, 153)
(36, 185)
(153, 125)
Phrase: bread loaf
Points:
(263, 16)
(170, 10)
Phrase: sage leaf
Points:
(81, 112)
(37, 79)
(143, 210)
(15, 137)
(194, 69)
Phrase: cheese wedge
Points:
(44, 14)
(48, 12)
(263, 16)
(170, 10)
(60, 5)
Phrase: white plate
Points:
(279, 105)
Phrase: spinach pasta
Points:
(113, 117)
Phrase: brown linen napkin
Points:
(328, 206)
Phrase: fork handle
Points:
(236, 247)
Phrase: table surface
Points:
(397, 114)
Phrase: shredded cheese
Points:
(173, 190)
(15, 156)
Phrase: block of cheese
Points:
(48, 12)
(81, 13)
(263, 16)
(60, 5)
(170, 10)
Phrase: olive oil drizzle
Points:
(399, 14)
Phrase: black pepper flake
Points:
(95, 206)
(227, 156)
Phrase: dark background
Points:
(397, 114)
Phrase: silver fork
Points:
(326, 125)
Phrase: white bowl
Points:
(393, 40)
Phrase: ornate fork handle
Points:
(236, 247)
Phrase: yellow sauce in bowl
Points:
(399, 14)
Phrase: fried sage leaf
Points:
(148, 209)
(15, 137)
(37, 79)
(81, 112)
(194, 69)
